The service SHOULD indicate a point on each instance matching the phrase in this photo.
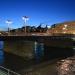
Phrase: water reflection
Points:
(1, 57)
(1, 52)
(39, 50)
(1, 44)
(66, 66)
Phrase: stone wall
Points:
(21, 48)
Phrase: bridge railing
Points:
(6, 71)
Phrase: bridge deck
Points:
(36, 37)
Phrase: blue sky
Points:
(39, 11)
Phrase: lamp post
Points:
(25, 19)
(8, 22)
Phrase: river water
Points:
(50, 66)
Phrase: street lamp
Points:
(8, 22)
(25, 18)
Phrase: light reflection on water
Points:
(66, 66)
(1, 57)
(1, 52)
(39, 50)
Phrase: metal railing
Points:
(8, 71)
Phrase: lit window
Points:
(65, 25)
(64, 28)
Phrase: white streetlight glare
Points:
(49, 26)
(9, 22)
(25, 18)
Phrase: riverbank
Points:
(20, 65)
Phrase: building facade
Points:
(62, 28)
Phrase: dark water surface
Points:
(46, 67)
(51, 62)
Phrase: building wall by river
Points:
(25, 49)
(33, 49)
(21, 48)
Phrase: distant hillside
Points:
(65, 27)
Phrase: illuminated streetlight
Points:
(8, 22)
(49, 27)
(25, 18)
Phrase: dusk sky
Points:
(39, 11)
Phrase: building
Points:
(62, 28)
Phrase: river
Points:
(42, 64)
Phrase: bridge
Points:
(55, 39)
(47, 39)
(34, 36)
(26, 45)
